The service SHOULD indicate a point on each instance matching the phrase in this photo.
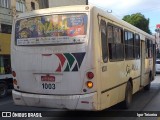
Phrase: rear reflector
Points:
(46, 54)
(85, 102)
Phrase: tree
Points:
(139, 21)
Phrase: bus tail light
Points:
(14, 73)
(89, 84)
(90, 75)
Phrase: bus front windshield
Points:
(51, 29)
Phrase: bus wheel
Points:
(128, 96)
(147, 87)
(3, 90)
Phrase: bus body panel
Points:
(32, 69)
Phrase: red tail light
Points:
(90, 75)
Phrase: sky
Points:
(149, 8)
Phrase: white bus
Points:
(78, 58)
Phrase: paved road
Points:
(142, 101)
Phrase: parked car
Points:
(158, 66)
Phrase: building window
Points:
(20, 5)
(43, 4)
(6, 28)
(5, 3)
(32, 6)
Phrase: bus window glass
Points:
(150, 50)
(110, 34)
(116, 52)
(126, 37)
(120, 34)
(103, 40)
(112, 51)
(137, 46)
(129, 46)
(130, 38)
(116, 35)
(137, 40)
(51, 29)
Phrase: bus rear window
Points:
(51, 29)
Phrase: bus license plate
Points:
(48, 78)
(48, 86)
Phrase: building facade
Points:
(9, 8)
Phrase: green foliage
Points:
(139, 21)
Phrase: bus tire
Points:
(128, 96)
(147, 87)
(3, 90)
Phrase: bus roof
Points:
(75, 8)
(126, 25)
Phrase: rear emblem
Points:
(69, 61)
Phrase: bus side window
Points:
(112, 38)
(129, 45)
(115, 43)
(137, 46)
(149, 48)
(104, 41)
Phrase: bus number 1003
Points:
(48, 86)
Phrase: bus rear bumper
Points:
(71, 102)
